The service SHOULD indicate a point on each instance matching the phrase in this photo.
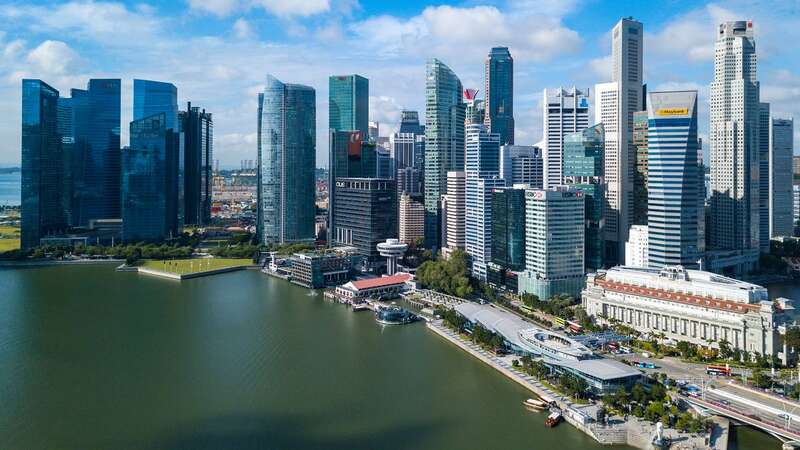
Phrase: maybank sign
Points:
(672, 112)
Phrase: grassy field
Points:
(9, 238)
(187, 266)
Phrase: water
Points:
(10, 186)
(90, 358)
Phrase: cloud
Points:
(386, 111)
(52, 58)
(602, 67)
(242, 29)
(280, 8)
(217, 7)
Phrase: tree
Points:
(725, 349)
(792, 338)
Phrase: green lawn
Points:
(187, 266)
(9, 238)
(8, 244)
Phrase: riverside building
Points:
(690, 305)
(411, 223)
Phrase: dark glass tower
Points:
(197, 128)
(100, 197)
(150, 206)
(348, 103)
(508, 228)
(42, 200)
(500, 94)
(155, 97)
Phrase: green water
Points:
(93, 359)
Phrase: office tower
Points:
(640, 176)
(409, 181)
(565, 111)
(287, 161)
(444, 141)
(344, 155)
(795, 206)
(150, 202)
(100, 193)
(374, 131)
(474, 108)
(154, 97)
(673, 187)
(365, 215)
(521, 164)
(796, 165)
(733, 136)
(763, 177)
(384, 164)
(72, 128)
(483, 175)
(348, 103)
(781, 140)
(455, 212)
(508, 228)
(197, 128)
(583, 170)
(499, 91)
(409, 123)
(411, 223)
(615, 103)
(42, 202)
(403, 149)
(636, 251)
(554, 235)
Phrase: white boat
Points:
(536, 404)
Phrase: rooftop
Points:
(372, 283)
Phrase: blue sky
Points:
(218, 52)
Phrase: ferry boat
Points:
(534, 404)
(553, 419)
(394, 315)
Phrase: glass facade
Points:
(155, 97)
(287, 161)
(583, 170)
(42, 200)
(444, 141)
(197, 129)
(640, 176)
(100, 197)
(348, 103)
(150, 206)
(500, 94)
(508, 228)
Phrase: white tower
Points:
(392, 249)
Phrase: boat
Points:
(394, 315)
(534, 404)
(553, 419)
(362, 306)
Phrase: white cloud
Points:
(52, 58)
(602, 67)
(242, 29)
(217, 7)
(329, 33)
(386, 111)
(280, 8)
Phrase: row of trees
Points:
(447, 275)
(567, 383)
(560, 305)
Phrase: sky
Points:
(218, 53)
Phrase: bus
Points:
(574, 327)
(724, 371)
(559, 321)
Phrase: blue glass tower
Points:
(197, 128)
(100, 194)
(673, 188)
(500, 94)
(42, 201)
(286, 161)
(155, 97)
(348, 103)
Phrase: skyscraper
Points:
(42, 203)
(454, 211)
(150, 202)
(733, 139)
(411, 222)
(763, 177)
(474, 108)
(565, 111)
(508, 228)
(444, 141)
(409, 123)
(673, 186)
(499, 91)
(100, 195)
(781, 137)
(521, 164)
(640, 176)
(348, 103)
(583, 170)
(615, 104)
(72, 127)
(286, 161)
(154, 97)
(197, 128)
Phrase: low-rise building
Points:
(698, 307)
(315, 270)
(377, 288)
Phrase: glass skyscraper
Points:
(100, 196)
(348, 103)
(155, 97)
(150, 201)
(197, 128)
(673, 187)
(286, 162)
(444, 141)
(500, 94)
(42, 201)
(508, 228)
(583, 170)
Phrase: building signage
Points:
(672, 112)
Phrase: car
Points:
(784, 416)
(725, 402)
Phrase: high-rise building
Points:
(409, 123)
(636, 251)
(499, 89)
(565, 111)
(795, 206)
(763, 177)
(673, 186)
(154, 97)
(287, 161)
(409, 181)
(615, 103)
(365, 215)
(521, 164)
(640, 176)
(474, 108)
(151, 207)
(42, 202)
(554, 234)
(455, 212)
(99, 197)
(508, 228)
(197, 129)
(796, 166)
(403, 149)
(483, 175)
(72, 126)
(734, 150)
(411, 223)
(444, 141)
(583, 170)
(348, 103)
(781, 139)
